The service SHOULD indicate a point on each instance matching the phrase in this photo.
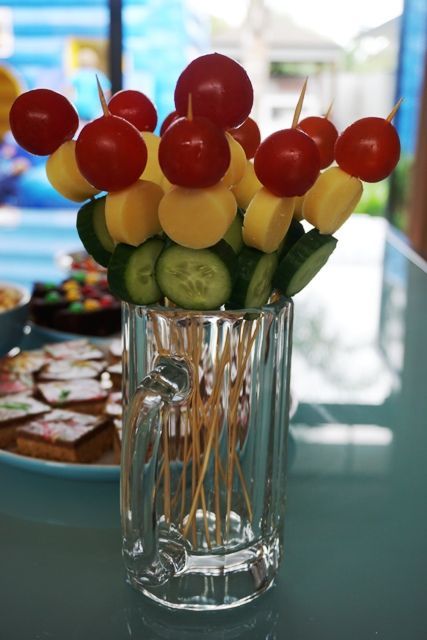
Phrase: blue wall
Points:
(159, 37)
(413, 51)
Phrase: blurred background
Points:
(358, 56)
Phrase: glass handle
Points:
(168, 383)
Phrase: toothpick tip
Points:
(329, 110)
(394, 110)
(298, 108)
(102, 99)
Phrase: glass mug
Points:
(203, 471)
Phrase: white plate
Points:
(103, 470)
(44, 335)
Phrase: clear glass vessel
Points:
(206, 397)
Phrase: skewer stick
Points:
(190, 107)
(243, 357)
(232, 420)
(394, 110)
(198, 489)
(102, 99)
(329, 111)
(160, 476)
(166, 472)
(244, 486)
(217, 500)
(298, 108)
(195, 337)
(225, 358)
(183, 480)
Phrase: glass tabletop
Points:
(355, 559)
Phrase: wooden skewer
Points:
(190, 107)
(196, 339)
(167, 469)
(298, 108)
(394, 110)
(218, 528)
(102, 99)
(232, 421)
(204, 416)
(198, 489)
(225, 358)
(234, 402)
(244, 486)
(221, 471)
(329, 111)
(194, 349)
(158, 338)
(160, 475)
(184, 473)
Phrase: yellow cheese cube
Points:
(152, 171)
(237, 166)
(299, 201)
(247, 187)
(64, 175)
(267, 220)
(197, 218)
(131, 215)
(331, 200)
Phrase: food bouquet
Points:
(188, 216)
(200, 231)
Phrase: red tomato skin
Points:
(368, 149)
(110, 153)
(324, 133)
(220, 88)
(135, 107)
(248, 135)
(170, 118)
(194, 153)
(41, 120)
(287, 163)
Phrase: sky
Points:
(338, 19)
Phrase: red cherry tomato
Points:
(41, 120)
(134, 107)
(168, 121)
(248, 135)
(220, 90)
(324, 134)
(368, 149)
(110, 153)
(194, 153)
(287, 163)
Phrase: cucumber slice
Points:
(131, 272)
(233, 237)
(255, 272)
(93, 231)
(303, 261)
(197, 278)
(294, 233)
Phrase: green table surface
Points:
(356, 533)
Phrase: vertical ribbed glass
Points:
(203, 477)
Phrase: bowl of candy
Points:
(77, 262)
(14, 311)
(81, 304)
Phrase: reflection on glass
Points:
(337, 358)
(250, 623)
(342, 449)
